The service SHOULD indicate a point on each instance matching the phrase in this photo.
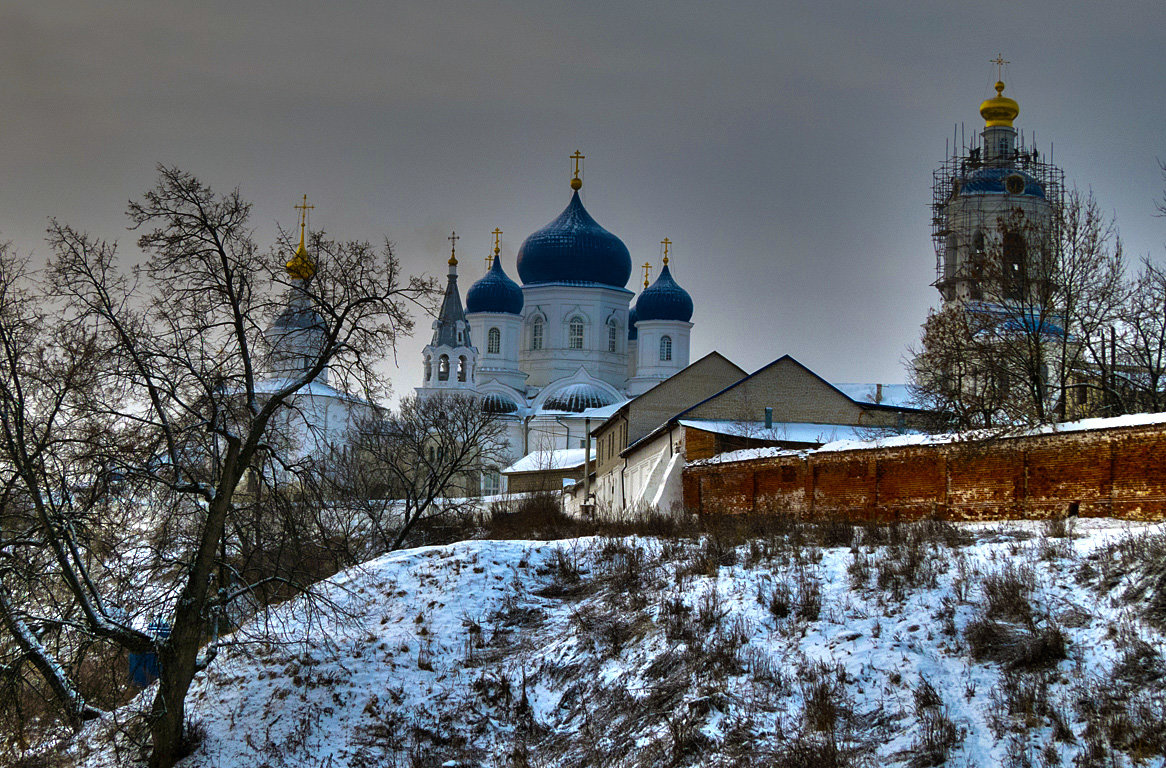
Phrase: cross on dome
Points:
(301, 266)
(577, 182)
(999, 62)
(453, 238)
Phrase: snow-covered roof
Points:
(542, 461)
(312, 389)
(892, 394)
(790, 431)
(902, 441)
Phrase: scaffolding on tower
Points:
(948, 179)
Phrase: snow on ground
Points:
(788, 648)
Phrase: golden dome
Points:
(301, 266)
(1000, 110)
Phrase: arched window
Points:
(665, 348)
(461, 368)
(493, 341)
(612, 336)
(428, 369)
(443, 368)
(536, 334)
(575, 333)
(1013, 257)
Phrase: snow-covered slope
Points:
(919, 644)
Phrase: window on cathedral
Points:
(575, 333)
(493, 341)
(461, 368)
(612, 337)
(428, 369)
(978, 242)
(665, 348)
(443, 368)
(536, 334)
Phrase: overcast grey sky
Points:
(786, 151)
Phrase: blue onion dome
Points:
(1001, 180)
(492, 402)
(574, 249)
(495, 292)
(664, 300)
(576, 398)
(633, 316)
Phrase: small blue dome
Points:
(574, 249)
(997, 181)
(495, 292)
(633, 334)
(577, 397)
(664, 300)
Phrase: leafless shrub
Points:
(779, 600)
(806, 752)
(566, 574)
(859, 569)
(1006, 591)
(1017, 647)
(1019, 700)
(809, 601)
(710, 612)
(824, 700)
(678, 622)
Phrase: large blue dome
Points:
(664, 300)
(997, 181)
(633, 334)
(495, 292)
(574, 249)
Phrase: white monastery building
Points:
(568, 346)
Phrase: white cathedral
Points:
(568, 346)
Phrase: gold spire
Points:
(301, 266)
(453, 238)
(647, 271)
(497, 233)
(577, 182)
(1001, 110)
(665, 242)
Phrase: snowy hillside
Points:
(976, 645)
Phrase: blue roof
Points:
(992, 181)
(664, 300)
(633, 316)
(495, 292)
(574, 249)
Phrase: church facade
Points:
(557, 354)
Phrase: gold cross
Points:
(453, 238)
(999, 62)
(666, 242)
(577, 157)
(497, 233)
(303, 208)
(647, 271)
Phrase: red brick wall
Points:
(1117, 472)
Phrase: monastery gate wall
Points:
(1117, 472)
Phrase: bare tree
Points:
(1143, 337)
(168, 394)
(422, 461)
